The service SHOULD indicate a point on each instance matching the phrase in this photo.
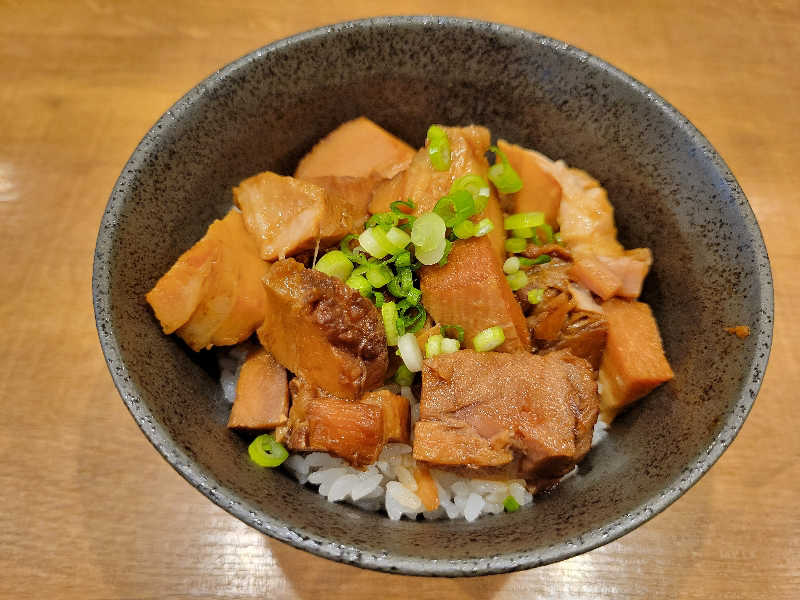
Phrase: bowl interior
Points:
(671, 193)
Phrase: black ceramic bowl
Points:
(671, 190)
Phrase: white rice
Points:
(389, 484)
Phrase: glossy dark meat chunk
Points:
(481, 410)
(321, 329)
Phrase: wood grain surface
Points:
(89, 510)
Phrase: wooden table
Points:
(87, 507)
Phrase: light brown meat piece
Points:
(262, 394)
(213, 295)
(386, 192)
(540, 191)
(175, 296)
(471, 291)
(356, 148)
(351, 195)
(549, 317)
(321, 329)
(286, 215)
(484, 409)
(250, 302)
(633, 362)
(318, 421)
(395, 414)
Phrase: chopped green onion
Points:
(428, 231)
(521, 220)
(503, 175)
(449, 345)
(511, 265)
(433, 345)
(464, 230)
(535, 295)
(378, 274)
(459, 331)
(369, 242)
(395, 207)
(335, 264)
(431, 257)
(517, 280)
(383, 219)
(417, 321)
(515, 245)
(484, 227)
(438, 148)
(414, 296)
(511, 504)
(403, 376)
(547, 238)
(398, 237)
(455, 207)
(389, 314)
(379, 299)
(403, 259)
(540, 260)
(266, 452)
(448, 246)
(409, 350)
(477, 186)
(488, 339)
(360, 284)
(522, 232)
(402, 283)
(558, 239)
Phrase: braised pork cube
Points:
(357, 148)
(320, 422)
(321, 329)
(178, 292)
(484, 409)
(213, 295)
(286, 215)
(424, 185)
(250, 303)
(471, 291)
(395, 414)
(540, 191)
(351, 195)
(262, 394)
(633, 362)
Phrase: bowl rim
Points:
(227, 499)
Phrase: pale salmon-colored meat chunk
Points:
(357, 148)
(286, 215)
(321, 329)
(219, 280)
(262, 394)
(633, 362)
(350, 196)
(471, 291)
(540, 191)
(181, 289)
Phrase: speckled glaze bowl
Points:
(671, 190)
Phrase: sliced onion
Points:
(410, 353)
